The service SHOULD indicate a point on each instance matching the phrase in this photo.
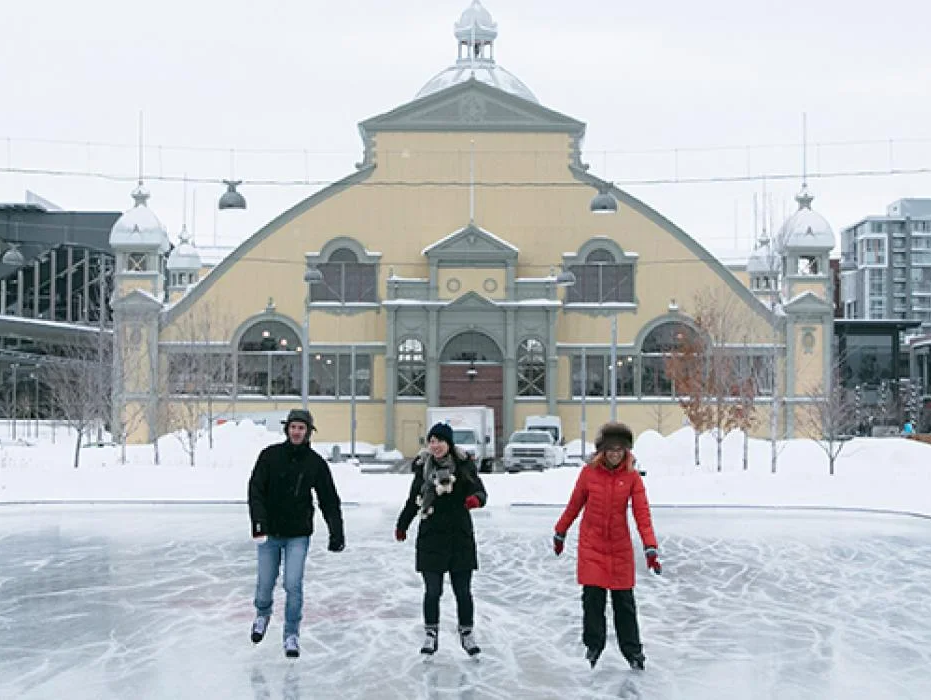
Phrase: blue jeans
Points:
(269, 563)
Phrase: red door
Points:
(484, 388)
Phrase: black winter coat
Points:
(280, 500)
(445, 539)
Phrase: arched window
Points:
(658, 345)
(601, 278)
(345, 279)
(531, 368)
(269, 360)
(412, 368)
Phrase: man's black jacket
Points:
(280, 500)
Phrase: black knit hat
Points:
(441, 431)
(299, 415)
(614, 435)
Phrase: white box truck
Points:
(473, 430)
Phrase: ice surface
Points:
(154, 602)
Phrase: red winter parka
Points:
(606, 557)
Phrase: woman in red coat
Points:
(606, 558)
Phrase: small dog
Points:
(437, 482)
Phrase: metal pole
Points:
(352, 401)
(36, 408)
(584, 392)
(614, 368)
(305, 354)
(13, 415)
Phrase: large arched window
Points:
(531, 368)
(345, 278)
(269, 360)
(412, 368)
(657, 346)
(601, 278)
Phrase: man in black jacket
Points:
(282, 512)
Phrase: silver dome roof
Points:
(806, 228)
(184, 256)
(139, 228)
(475, 15)
(475, 32)
(763, 260)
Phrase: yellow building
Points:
(433, 275)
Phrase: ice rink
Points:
(154, 602)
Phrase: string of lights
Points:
(300, 152)
(513, 184)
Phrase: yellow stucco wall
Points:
(393, 214)
(809, 371)
(487, 282)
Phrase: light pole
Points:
(614, 368)
(33, 376)
(14, 367)
(312, 276)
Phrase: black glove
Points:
(559, 542)
(337, 544)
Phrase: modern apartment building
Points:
(886, 264)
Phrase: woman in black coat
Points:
(446, 487)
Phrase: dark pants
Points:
(594, 601)
(433, 589)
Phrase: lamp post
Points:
(35, 378)
(312, 276)
(614, 368)
(14, 367)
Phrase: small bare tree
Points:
(722, 322)
(78, 379)
(829, 418)
(687, 368)
(199, 370)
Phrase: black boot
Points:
(591, 655)
(431, 641)
(637, 661)
(467, 639)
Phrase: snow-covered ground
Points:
(874, 473)
(118, 594)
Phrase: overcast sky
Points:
(299, 76)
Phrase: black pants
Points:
(594, 601)
(433, 589)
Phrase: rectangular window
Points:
(594, 379)
(200, 374)
(597, 283)
(345, 282)
(137, 262)
(331, 375)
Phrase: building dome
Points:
(806, 228)
(184, 257)
(476, 15)
(763, 260)
(139, 228)
(475, 33)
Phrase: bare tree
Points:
(199, 370)
(829, 418)
(723, 322)
(660, 412)
(79, 384)
(745, 413)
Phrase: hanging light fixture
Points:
(603, 202)
(232, 199)
(566, 278)
(13, 257)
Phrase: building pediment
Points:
(472, 301)
(471, 244)
(138, 300)
(808, 303)
(471, 106)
